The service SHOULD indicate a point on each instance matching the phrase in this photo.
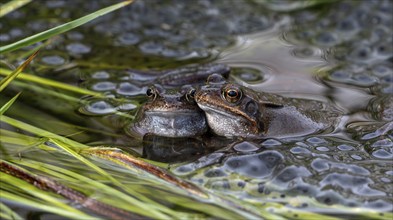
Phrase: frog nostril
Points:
(251, 108)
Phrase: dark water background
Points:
(339, 53)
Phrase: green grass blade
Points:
(5, 107)
(40, 132)
(132, 203)
(61, 29)
(12, 6)
(48, 82)
(61, 207)
(7, 213)
(45, 207)
(83, 160)
(14, 74)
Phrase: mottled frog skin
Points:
(170, 113)
(232, 110)
(194, 74)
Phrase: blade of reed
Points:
(14, 74)
(7, 213)
(66, 97)
(82, 159)
(130, 203)
(5, 107)
(61, 28)
(40, 132)
(47, 197)
(48, 82)
(12, 6)
(64, 144)
(153, 209)
(43, 205)
(130, 161)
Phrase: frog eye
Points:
(190, 95)
(151, 93)
(232, 95)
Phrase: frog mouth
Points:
(208, 108)
(174, 112)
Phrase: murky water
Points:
(339, 53)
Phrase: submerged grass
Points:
(134, 196)
(12, 75)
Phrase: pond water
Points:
(340, 53)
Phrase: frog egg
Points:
(103, 86)
(382, 70)
(363, 79)
(388, 89)
(4, 38)
(98, 108)
(347, 25)
(360, 53)
(380, 205)
(245, 146)
(251, 75)
(126, 107)
(316, 140)
(78, 48)
(220, 184)
(344, 147)
(356, 157)
(387, 79)
(340, 75)
(271, 143)
(383, 49)
(55, 4)
(151, 47)
(329, 197)
(319, 165)
(76, 36)
(382, 154)
(127, 39)
(300, 150)
(217, 172)
(305, 52)
(358, 185)
(327, 39)
(53, 60)
(128, 89)
(256, 165)
(290, 174)
(323, 149)
(100, 75)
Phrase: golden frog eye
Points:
(232, 95)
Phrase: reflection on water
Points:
(340, 54)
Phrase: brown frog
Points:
(169, 113)
(232, 110)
